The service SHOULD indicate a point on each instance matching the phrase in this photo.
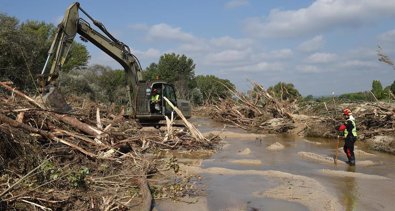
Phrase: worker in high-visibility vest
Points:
(155, 101)
(349, 130)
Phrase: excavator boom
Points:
(72, 25)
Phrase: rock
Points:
(246, 151)
(275, 146)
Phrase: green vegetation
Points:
(24, 47)
(175, 69)
(97, 82)
(377, 89)
(284, 91)
(213, 88)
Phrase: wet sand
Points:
(291, 187)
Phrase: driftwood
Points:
(72, 121)
(19, 93)
(17, 124)
(195, 132)
(255, 111)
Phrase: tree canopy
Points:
(176, 69)
(284, 91)
(214, 88)
(377, 89)
(24, 48)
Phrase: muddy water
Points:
(368, 186)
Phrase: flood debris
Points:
(259, 112)
(91, 159)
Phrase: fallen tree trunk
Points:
(74, 122)
(195, 132)
(19, 93)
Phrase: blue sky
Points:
(320, 46)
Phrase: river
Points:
(250, 173)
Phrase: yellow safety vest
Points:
(354, 130)
(155, 98)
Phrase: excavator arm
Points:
(71, 25)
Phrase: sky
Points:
(323, 47)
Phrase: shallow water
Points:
(236, 192)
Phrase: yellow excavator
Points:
(139, 91)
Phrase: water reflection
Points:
(350, 190)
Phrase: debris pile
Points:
(93, 159)
(259, 112)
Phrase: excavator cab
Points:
(147, 113)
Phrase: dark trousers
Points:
(349, 148)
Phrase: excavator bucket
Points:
(54, 99)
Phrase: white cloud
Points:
(236, 3)
(321, 15)
(308, 69)
(266, 66)
(311, 45)
(164, 31)
(357, 64)
(227, 57)
(321, 58)
(229, 42)
(193, 47)
(259, 67)
(280, 54)
(148, 54)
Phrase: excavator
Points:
(139, 91)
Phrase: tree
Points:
(113, 84)
(392, 87)
(24, 47)
(196, 96)
(357, 96)
(96, 82)
(377, 89)
(77, 57)
(213, 88)
(284, 91)
(386, 94)
(151, 72)
(176, 69)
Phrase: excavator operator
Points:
(155, 101)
